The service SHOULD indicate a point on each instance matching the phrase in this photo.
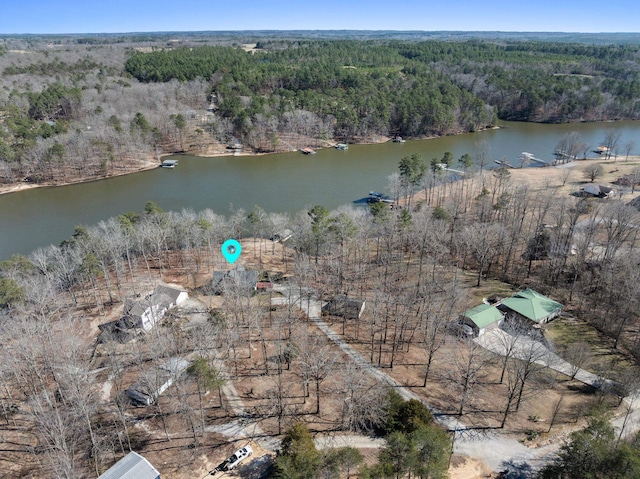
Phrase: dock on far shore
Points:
(169, 163)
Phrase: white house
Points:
(145, 313)
(178, 295)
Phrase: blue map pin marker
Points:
(231, 250)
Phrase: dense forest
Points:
(74, 108)
(415, 89)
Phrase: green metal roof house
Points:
(482, 318)
(131, 466)
(533, 306)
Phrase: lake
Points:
(287, 182)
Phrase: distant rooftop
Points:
(131, 466)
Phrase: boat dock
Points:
(525, 156)
(504, 163)
(169, 163)
(445, 167)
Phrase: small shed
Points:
(344, 307)
(131, 466)
(532, 305)
(482, 318)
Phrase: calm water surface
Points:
(285, 182)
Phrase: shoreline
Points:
(562, 179)
(379, 139)
(24, 186)
(530, 175)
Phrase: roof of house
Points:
(483, 315)
(532, 305)
(343, 306)
(135, 308)
(597, 190)
(160, 299)
(131, 466)
(240, 276)
(635, 202)
(163, 295)
(172, 291)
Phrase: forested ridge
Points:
(529, 81)
(78, 108)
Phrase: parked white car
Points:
(237, 457)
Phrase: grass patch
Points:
(487, 288)
(566, 331)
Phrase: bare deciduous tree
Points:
(593, 171)
(318, 361)
(468, 369)
(578, 356)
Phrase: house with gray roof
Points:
(176, 294)
(131, 466)
(597, 191)
(344, 307)
(238, 277)
(145, 313)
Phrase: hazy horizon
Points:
(70, 17)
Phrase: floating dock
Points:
(525, 156)
(504, 163)
(169, 163)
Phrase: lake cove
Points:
(287, 182)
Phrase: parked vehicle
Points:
(235, 459)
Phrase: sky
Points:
(122, 16)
